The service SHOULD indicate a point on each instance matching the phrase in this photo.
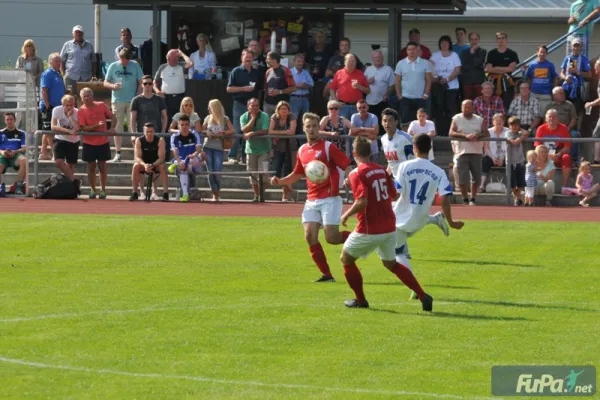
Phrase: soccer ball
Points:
(316, 171)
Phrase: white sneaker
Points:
(155, 197)
(117, 158)
(441, 223)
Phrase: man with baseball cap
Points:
(78, 59)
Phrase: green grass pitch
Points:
(103, 307)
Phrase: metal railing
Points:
(347, 138)
(552, 47)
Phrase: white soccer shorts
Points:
(324, 211)
(361, 245)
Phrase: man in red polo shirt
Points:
(554, 129)
(349, 85)
(92, 116)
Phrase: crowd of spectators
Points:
(270, 98)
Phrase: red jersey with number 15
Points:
(370, 181)
(333, 157)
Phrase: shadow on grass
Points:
(478, 262)
(440, 314)
(523, 305)
(398, 283)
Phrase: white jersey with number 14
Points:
(417, 182)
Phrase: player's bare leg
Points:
(333, 234)
(355, 281)
(311, 235)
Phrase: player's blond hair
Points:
(310, 117)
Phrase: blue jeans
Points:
(214, 163)
(347, 111)
(238, 110)
(300, 105)
(575, 147)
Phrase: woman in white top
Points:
(187, 108)
(422, 125)
(444, 91)
(66, 145)
(203, 59)
(493, 152)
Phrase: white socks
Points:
(184, 179)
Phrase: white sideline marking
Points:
(153, 309)
(234, 382)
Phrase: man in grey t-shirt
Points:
(148, 107)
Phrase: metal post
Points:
(35, 159)
(261, 187)
(156, 43)
(508, 172)
(394, 35)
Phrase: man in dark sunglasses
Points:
(148, 107)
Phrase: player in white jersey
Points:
(417, 182)
(398, 148)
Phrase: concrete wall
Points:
(49, 24)
(522, 37)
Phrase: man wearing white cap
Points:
(78, 59)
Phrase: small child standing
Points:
(530, 177)
(585, 184)
(515, 136)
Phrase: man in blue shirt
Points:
(12, 152)
(188, 158)
(52, 91)
(542, 77)
(123, 78)
(574, 70)
(299, 99)
(366, 124)
(244, 84)
(462, 43)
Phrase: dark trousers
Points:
(408, 109)
(444, 106)
(377, 109)
(471, 91)
(173, 104)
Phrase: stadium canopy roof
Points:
(349, 6)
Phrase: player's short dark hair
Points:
(422, 142)
(362, 147)
(149, 125)
(184, 118)
(412, 44)
(389, 112)
(460, 28)
(10, 113)
(273, 55)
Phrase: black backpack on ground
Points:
(59, 187)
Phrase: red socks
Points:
(345, 235)
(354, 278)
(318, 256)
(408, 279)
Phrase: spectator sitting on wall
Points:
(487, 105)
(462, 43)
(559, 151)
(575, 69)
(146, 51)
(501, 62)
(472, 72)
(567, 115)
(545, 166)
(187, 155)
(149, 159)
(414, 36)
(12, 152)
(203, 58)
(169, 81)
(78, 59)
(134, 52)
(471, 127)
(494, 152)
(318, 56)
(186, 108)
(542, 76)
(424, 126)
(52, 91)
(526, 108)
(66, 145)
(123, 78)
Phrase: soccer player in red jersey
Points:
(323, 205)
(373, 191)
